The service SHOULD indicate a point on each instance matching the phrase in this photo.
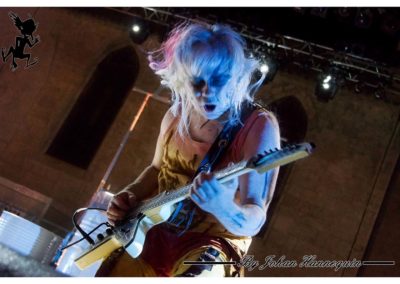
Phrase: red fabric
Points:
(164, 248)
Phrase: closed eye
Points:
(198, 84)
(220, 80)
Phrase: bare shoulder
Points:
(263, 135)
(266, 119)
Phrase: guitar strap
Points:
(225, 138)
(223, 141)
(213, 156)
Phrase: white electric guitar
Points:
(132, 233)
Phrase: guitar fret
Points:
(231, 170)
(151, 204)
(183, 191)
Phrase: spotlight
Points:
(139, 31)
(326, 86)
(136, 28)
(269, 67)
(328, 83)
(264, 68)
(327, 79)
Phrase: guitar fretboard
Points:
(263, 162)
(183, 192)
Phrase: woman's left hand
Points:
(212, 196)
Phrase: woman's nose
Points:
(204, 88)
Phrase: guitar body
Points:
(134, 243)
(132, 233)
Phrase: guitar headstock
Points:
(279, 157)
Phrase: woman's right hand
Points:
(120, 206)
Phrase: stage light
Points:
(136, 28)
(264, 68)
(327, 79)
(328, 84)
(269, 66)
(139, 31)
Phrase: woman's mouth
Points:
(209, 107)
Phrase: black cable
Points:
(83, 233)
(81, 239)
(139, 217)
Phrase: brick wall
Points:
(324, 207)
(35, 102)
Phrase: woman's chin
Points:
(212, 115)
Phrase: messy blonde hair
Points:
(193, 48)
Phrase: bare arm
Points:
(244, 218)
(145, 185)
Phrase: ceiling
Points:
(367, 32)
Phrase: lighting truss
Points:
(304, 54)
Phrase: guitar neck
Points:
(175, 196)
(261, 163)
(127, 233)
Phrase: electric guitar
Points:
(131, 233)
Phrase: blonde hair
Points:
(193, 48)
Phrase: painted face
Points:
(210, 93)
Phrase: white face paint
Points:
(210, 93)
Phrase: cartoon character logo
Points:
(25, 38)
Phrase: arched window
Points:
(293, 121)
(96, 108)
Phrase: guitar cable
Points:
(85, 236)
(139, 217)
(81, 239)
